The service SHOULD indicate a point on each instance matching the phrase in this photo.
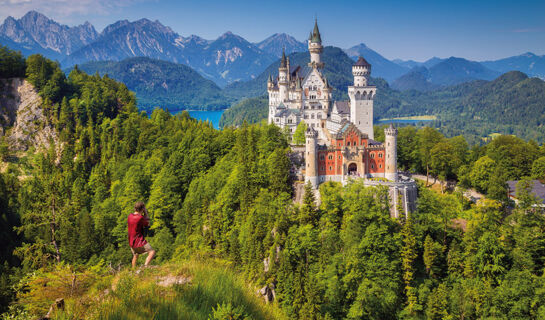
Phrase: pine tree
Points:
(408, 255)
(309, 213)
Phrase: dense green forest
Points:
(227, 195)
(162, 84)
(250, 110)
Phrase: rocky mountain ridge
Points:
(36, 31)
(225, 60)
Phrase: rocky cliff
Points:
(22, 118)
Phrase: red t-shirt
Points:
(136, 223)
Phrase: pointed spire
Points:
(283, 60)
(270, 78)
(316, 32)
(298, 83)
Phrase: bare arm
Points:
(146, 216)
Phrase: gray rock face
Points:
(268, 293)
(22, 116)
(36, 30)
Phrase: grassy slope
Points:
(212, 283)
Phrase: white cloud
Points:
(61, 10)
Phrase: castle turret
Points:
(298, 93)
(283, 77)
(315, 47)
(311, 172)
(270, 82)
(390, 144)
(361, 71)
(361, 98)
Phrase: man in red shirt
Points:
(136, 223)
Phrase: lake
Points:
(212, 116)
(408, 121)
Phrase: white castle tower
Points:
(283, 77)
(390, 171)
(311, 172)
(361, 98)
(315, 47)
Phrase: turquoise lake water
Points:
(409, 121)
(212, 116)
(215, 116)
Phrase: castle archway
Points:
(352, 169)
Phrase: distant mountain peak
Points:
(276, 42)
(35, 14)
(528, 54)
(361, 45)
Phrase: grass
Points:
(213, 283)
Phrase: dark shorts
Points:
(140, 250)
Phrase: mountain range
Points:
(446, 72)
(227, 59)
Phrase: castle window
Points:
(372, 166)
(339, 157)
(322, 168)
(306, 116)
(330, 157)
(322, 157)
(380, 155)
(348, 143)
(380, 166)
(372, 155)
(329, 168)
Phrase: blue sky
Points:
(477, 30)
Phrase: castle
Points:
(339, 137)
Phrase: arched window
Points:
(348, 143)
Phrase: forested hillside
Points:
(162, 84)
(222, 211)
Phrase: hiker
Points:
(136, 223)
